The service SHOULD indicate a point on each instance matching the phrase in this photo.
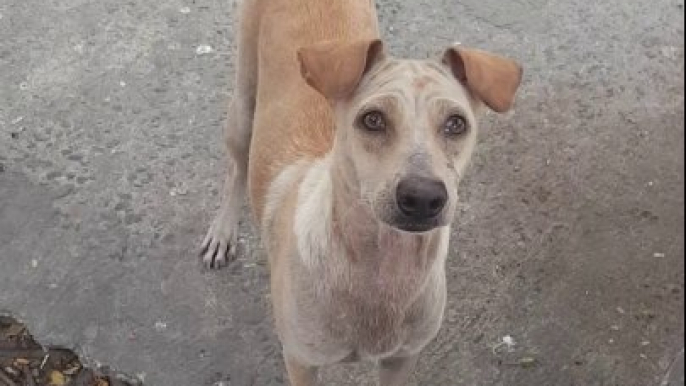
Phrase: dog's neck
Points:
(353, 225)
(340, 239)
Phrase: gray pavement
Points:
(569, 239)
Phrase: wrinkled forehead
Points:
(412, 81)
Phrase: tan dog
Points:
(352, 159)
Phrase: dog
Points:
(351, 159)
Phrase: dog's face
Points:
(408, 132)
(407, 129)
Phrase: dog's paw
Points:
(219, 246)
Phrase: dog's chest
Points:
(373, 305)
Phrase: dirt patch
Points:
(24, 362)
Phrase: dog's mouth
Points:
(410, 225)
(391, 215)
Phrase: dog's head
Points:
(406, 129)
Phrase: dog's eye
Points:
(374, 121)
(455, 125)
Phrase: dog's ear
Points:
(335, 68)
(491, 78)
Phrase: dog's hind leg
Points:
(219, 246)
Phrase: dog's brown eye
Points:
(374, 121)
(455, 125)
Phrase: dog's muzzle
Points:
(420, 203)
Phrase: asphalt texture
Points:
(566, 266)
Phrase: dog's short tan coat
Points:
(324, 129)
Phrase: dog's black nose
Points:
(421, 198)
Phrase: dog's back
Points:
(292, 121)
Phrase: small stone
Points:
(160, 326)
(185, 10)
(669, 52)
(34, 263)
(178, 192)
(527, 362)
(203, 49)
(614, 327)
(508, 340)
(659, 255)
(621, 310)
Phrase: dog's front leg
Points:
(299, 374)
(219, 246)
(396, 371)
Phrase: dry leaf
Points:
(101, 382)
(72, 370)
(12, 371)
(528, 362)
(57, 379)
(14, 330)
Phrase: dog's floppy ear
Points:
(335, 68)
(491, 78)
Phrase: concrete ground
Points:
(569, 240)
